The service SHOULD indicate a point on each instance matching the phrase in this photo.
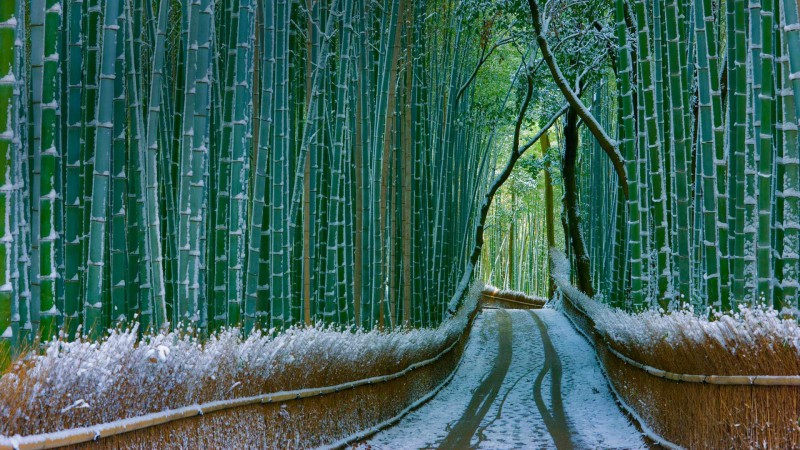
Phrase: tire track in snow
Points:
(461, 434)
(556, 422)
(511, 420)
(428, 425)
(596, 421)
(499, 412)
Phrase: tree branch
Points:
(544, 129)
(516, 152)
(484, 57)
(606, 143)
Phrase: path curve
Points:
(527, 380)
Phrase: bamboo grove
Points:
(207, 164)
(519, 232)
(707, 111)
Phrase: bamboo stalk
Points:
(8, 304)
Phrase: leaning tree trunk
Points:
(582, 266)
(548, 206)
(480, 224)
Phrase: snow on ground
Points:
(513, 420)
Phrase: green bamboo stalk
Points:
(21, 314)
(119, 189)
(255, 260)
(185, 308)
(74, 181)
(50, 162)
(628, 143)
(778, 169)
(151, 272)
(791, 158)
(137, 249)
(240, 161)
(720, 161)
(223, 173)
(737, 139)
(706, 152)
(655, 153)
(37, 39)
(680, 144)
(753, 148)
(336, 305)
(8, 82)
(310, 290)
(406, 204)
(366, 312)
(766, 99)
(100, 179)
(279, 214)
(199, 158)
(92, 61)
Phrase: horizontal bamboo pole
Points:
(724, 380)
(533, 304)
(498, 293)
(649, 432)
(343, 443)
(92, 433)
(533, 301)
(756, 380)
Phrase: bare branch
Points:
(606, 143)
(544, 129)
(516, 153)
(484, 57)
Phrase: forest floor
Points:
(526, 380)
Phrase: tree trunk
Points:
(606, 143)
(511, 247)
(571, 141)
(548, 208)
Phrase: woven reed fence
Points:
(693, 410)
(329, 417)
(494, 298)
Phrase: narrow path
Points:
(527, 380)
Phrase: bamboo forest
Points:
(399, 224)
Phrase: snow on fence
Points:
(503, 298)
(39, 397)
(695, 382)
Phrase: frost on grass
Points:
(749, 341)
(76, 384)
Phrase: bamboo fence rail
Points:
(98, 432)
(732, 411)
(504, 301)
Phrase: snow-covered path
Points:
(527, 380)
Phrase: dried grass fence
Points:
(694, 410)
(332, 416)
(496, 298)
